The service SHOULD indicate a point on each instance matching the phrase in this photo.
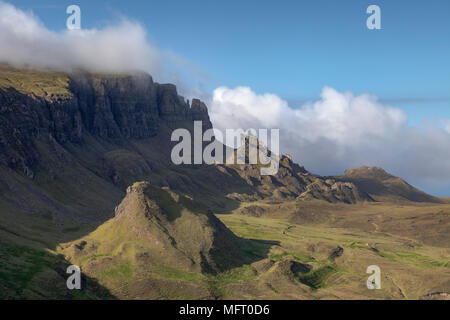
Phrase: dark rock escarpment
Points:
(105, 106)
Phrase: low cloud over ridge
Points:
(24, 40)
(120, 47)
(341, 130)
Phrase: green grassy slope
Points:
(44, 84)
(160, 244)
(410, 269)
(386, 187)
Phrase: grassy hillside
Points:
(160, 244)
(308, 259)
(39, 83)
(30, 271)
(410, 269)
(383, 186)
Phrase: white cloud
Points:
(236, 107)
(24, 40)
(339, 131)
(121, 47)
(447, 125)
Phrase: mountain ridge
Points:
(115, 130)
(86, 177)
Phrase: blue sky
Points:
(295, 48)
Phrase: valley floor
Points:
(339, 249)
(299, 249)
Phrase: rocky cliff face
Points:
(73, 143)
(46, 117)
(105, 106)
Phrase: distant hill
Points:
(383, 186)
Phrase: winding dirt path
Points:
(402, 293)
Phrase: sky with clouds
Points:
(342, 95)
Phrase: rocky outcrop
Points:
(106, 106)
(294, 182)
(436, 296)
(334, 191)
